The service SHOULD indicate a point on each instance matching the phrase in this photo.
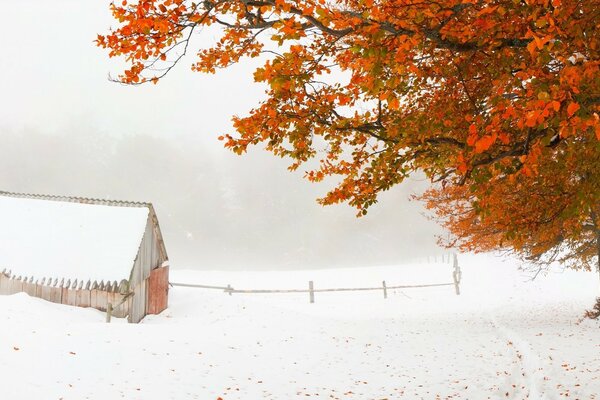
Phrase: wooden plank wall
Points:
(149, 257)
(73, 293)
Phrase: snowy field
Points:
(503, 337)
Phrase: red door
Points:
(158, 290)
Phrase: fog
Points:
(66, 129)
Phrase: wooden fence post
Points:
(229, 289)
(384, 290)
(456, 275)
(311, 291)
(109, 309)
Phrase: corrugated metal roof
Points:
(71, 237)
(74, 199)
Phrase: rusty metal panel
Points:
(158, 290)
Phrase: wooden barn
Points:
(104, 254)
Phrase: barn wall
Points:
(150, 255)
(138, 303)
(132, 300)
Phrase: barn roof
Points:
(70, 237)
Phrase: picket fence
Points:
(456, 278)
(104, 296)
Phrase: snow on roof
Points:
(46, 237)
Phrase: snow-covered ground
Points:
(503, 337)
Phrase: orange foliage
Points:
(496, 100)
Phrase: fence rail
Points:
(456, 278)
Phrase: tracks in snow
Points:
(527, 379)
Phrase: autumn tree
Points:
(496, 101)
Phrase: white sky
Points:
(67, 130)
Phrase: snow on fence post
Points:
(29, 286)
(39, 286)
(94, 294)
(311, 291)
(84, 297)
(51, 291)
(384, 290)
(71, 294)
(102, 296)
(456, 275)
(229, 289)
(65, 291)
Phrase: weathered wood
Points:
(311, 291)
(52, 292)
(38, 287)
(137, 309)
(108, 312)
(5, 283)
(15, 285)
(456, 276)
(120, 305)
(71, 297)
(65, 291)
(101, 297)
(384, 290)
(229, 289)
(94, 297)
(83, 297)
(29, 286)
(124, 287)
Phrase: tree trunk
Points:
(598, 251)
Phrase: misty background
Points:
(66, 129)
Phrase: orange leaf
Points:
(504, 138)
(572, 109)
(484, 143)
(532, 118)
